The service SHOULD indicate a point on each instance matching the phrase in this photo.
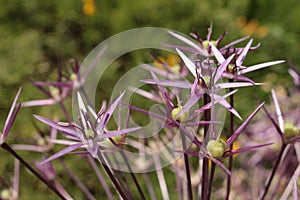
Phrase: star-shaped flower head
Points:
(235, 70)
(90, 131)
(202, 47)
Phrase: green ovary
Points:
(290, 130)
(183, 117)
(216, 148)
(89, 133)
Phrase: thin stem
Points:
(32, 170)
(187, 168)
(149, 187)
(211, 178)
(132, 175)
(121, 177)
(111, 176)
(230, 161)
(100, 178)
(77, 181)
(161, 178)
(274, 169)
(61, 189)
(205, 183)
(63, 107)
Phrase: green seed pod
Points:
(216, 148)
(183, 117)
(290, 130)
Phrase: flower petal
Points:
(259, 66)
(63, 152)
(278, 111)
(67, 130)
(241, 58)
(216, 100)
(245, 149)
(236, 84)
(104, 120)
(82, 110)
(111, 134)
(220, 70)
(217, 53)
(11, 117)
(169, 83)
(189, 64)
(235, 135)
(41, 102)
(224, 103)
(187, 41)
(234, 43)
(8, 119)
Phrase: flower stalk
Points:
(6, 147)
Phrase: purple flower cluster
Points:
(192, 98)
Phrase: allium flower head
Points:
(90, 131)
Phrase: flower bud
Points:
(216, 148)
(290, 130)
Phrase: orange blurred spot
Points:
(171, 61)
(89, 7)
(252, 27)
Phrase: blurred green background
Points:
(37, 36)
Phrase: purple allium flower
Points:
(215, 149)
(90, 132)
(236, 70)
(204, 47)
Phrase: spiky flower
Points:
(90, 131)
